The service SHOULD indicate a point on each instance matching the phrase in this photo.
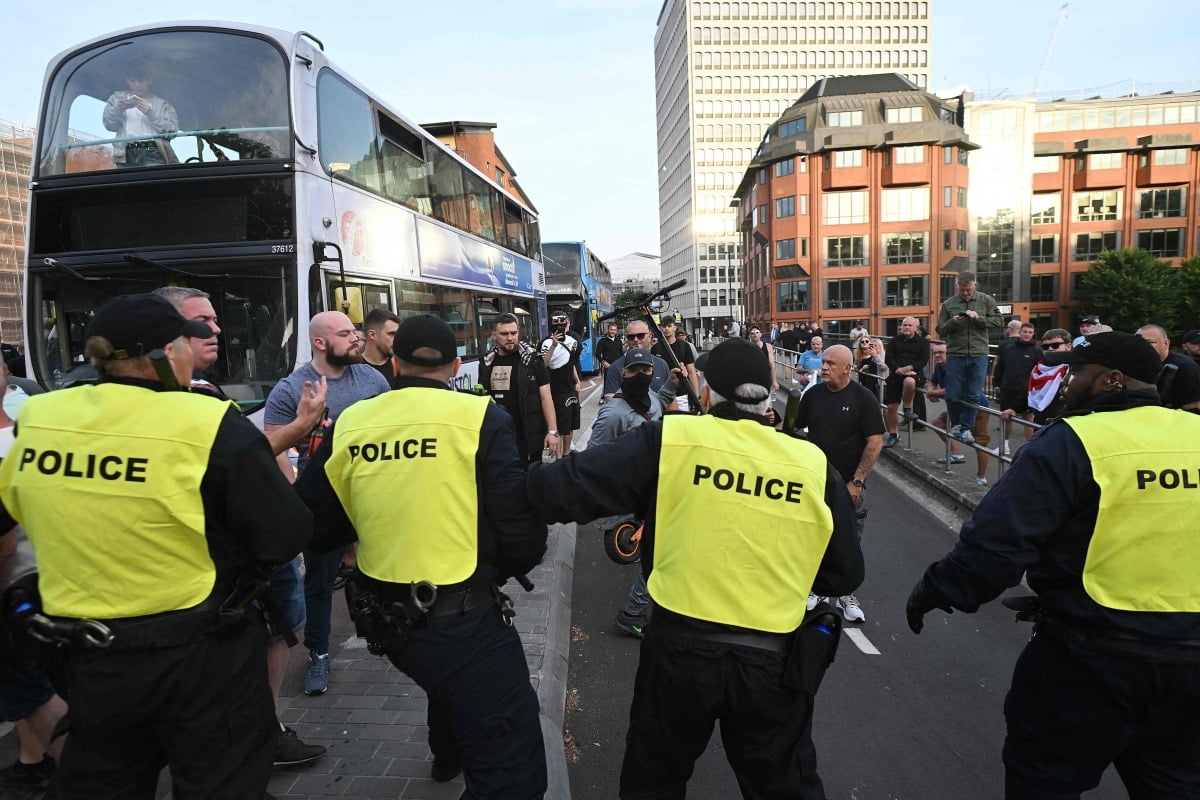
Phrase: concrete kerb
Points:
(552, 681)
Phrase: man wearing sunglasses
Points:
(1047, 380)
(637, 334)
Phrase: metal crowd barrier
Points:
(785, 374)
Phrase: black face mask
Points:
(636, 391)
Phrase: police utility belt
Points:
(385, 614)
(220, 613)
(808, 651)
(1125, 644)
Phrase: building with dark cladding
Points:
(855, 205)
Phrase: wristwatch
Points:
(859, 483)
(553, 433)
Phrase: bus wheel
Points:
(623, 544)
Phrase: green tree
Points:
(1128, 288)
(1189, 294)
(625, 298)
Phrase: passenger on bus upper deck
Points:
(139, 112)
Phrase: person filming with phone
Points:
(139, 112)
(965, 322)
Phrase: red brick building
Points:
(855, 205)
(1109, 174)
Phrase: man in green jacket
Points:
(964, 322)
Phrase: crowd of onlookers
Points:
(960, 363)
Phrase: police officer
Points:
(727, 596)
(1099, 513)
(431, 484)
(144, 507)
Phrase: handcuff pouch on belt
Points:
(813, 648)
(386, 624)
(32, 630)
(253, 587)
(35, 634)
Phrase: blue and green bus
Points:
(578, 283)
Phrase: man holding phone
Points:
(140, 113)
(560, 353)
(966, 321)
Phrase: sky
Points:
(570, 83)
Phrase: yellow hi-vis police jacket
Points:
(1144, 554)
(409, 455)
(106, 481)
(741, 523)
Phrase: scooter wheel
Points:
(623, 544)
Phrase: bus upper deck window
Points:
(166, 98)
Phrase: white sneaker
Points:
(1006, 449)
(851, 611)
(815, 600)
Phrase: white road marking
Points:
(354, 643)
(861, 641)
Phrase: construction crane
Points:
(1062, 15)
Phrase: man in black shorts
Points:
(560, 354)
(907, 355)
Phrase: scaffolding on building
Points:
(16, 159)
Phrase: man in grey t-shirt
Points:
(337, 348)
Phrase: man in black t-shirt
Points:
(608, 348)
(379, 326)
(789, 338)
(1184, 391)
(844, 420)
(682, 352)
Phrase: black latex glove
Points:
(921, 601)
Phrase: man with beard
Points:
(1098, 513)
(518, 381)
(379, 326)
(337, 348)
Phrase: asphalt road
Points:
(920, 718)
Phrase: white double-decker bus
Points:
(239, 160)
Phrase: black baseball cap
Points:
(732, 363)
(1090, 321)
(137, 324)
(638, 355)
(425, 331)
(1130, 354)
(1192, 336)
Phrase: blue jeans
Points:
(320, 570)
(964, 384)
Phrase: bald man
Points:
(844, 420)
(337, 355)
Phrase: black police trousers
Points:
(1073, 710)
(482, 707)
(683, 687)
(204, 709)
